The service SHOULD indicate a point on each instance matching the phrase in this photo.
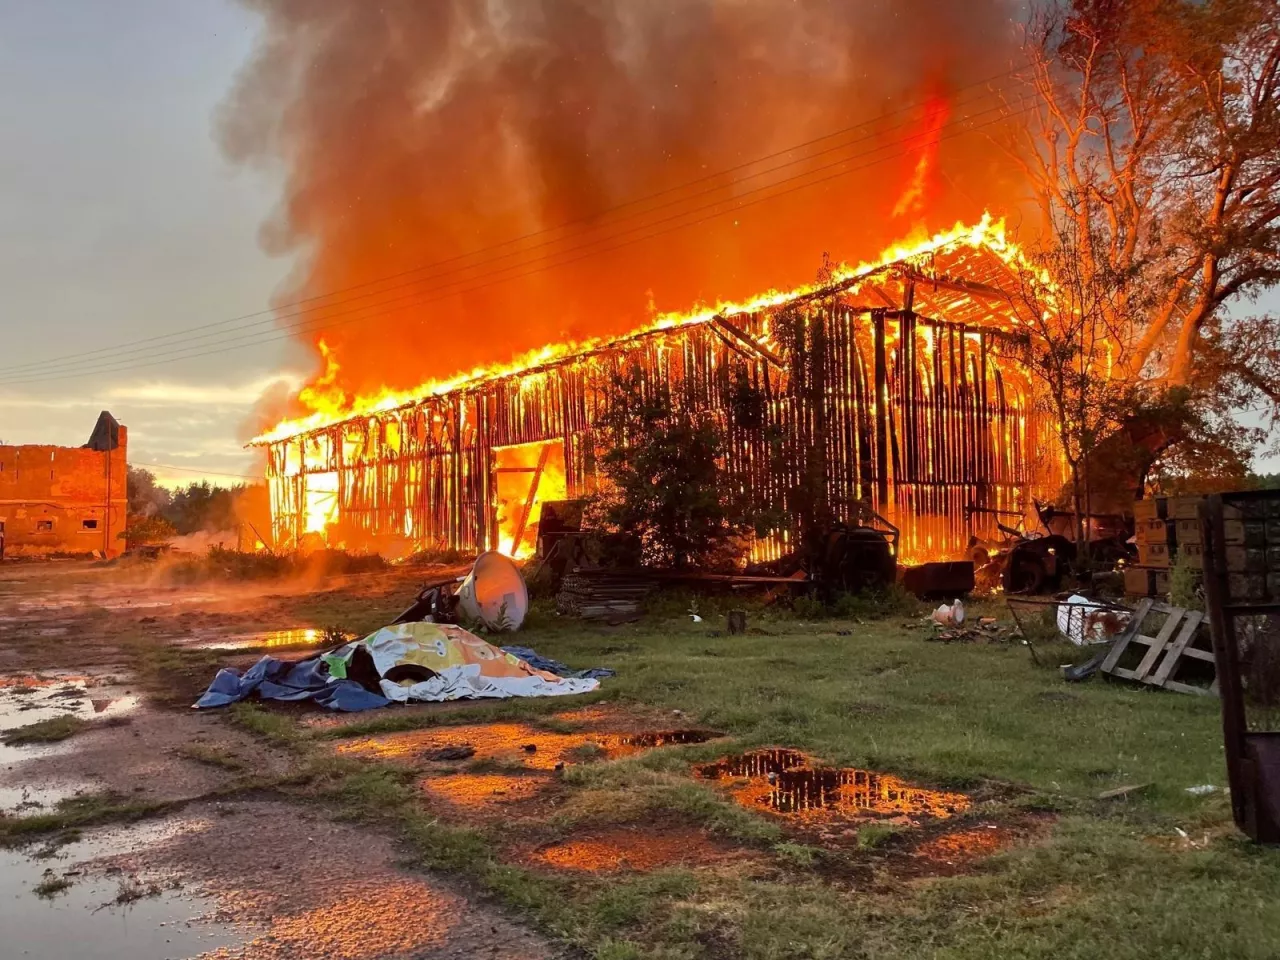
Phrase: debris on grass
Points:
(1124, 791)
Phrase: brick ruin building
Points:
(924, 410)
(66, 500)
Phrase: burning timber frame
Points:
(915, 390)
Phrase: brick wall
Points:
(63, 500)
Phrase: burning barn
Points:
(916, 389)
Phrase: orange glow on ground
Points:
(509, 742)
(951, 848)
(476, 791)
(629, 849)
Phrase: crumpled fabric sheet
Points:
(464, 666)
(539, 662)
(274, 679)
(403, 662)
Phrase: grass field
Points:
(1157, 872)
(1152, 872)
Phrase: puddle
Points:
(474, 791)
(83, 920)
(25, 700)
(624, 849)
(268, 639)
(786, 783)
(26, 799)
(110, 600)
(521, 743)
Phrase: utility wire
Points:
(206, 473)
(593, 219)
(271, 321)
(309, 324)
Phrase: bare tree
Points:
(1156, 127)
(1074, 309)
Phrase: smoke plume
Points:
(412, 132)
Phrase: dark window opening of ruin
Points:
(89, 524)
(44, 526)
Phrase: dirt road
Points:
(98, 666)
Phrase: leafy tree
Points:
(196, 507)
(660, 466)
(202, 506)
(1156, 125)
(147, 529)
(146, 497)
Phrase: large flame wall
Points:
(922, 418)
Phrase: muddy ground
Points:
(689, 808)
(212, 867)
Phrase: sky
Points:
(120, 219)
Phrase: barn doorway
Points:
(526, 475)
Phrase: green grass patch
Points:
(873, 835)
(74, 812)
(50, 885)
(44, 731)
(266, 723)
(212, 756)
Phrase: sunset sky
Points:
(121, 219)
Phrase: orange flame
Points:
(912, 202)
(330, 405)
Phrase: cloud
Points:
(231, 395)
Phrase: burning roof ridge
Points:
(986, 235)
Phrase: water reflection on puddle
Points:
(785, 782)
(83, 920)
(266, 640)
(28, 699)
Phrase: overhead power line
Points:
(594, 221)
(321, 323)
(203, 473)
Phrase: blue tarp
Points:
(539, 662)
(280, 680)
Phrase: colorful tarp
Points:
(403, 662)
(464, 666)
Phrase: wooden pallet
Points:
(1165, 653)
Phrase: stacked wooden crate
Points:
(1251, 545)
(1156, 536)
(1169, 530)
